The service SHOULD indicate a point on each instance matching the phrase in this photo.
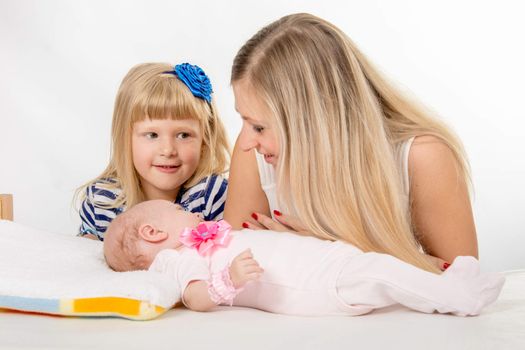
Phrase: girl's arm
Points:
(440, 202)
(245, 194)
(94, 215)
(88, 228)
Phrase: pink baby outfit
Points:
(309, 276)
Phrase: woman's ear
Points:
(152, 234)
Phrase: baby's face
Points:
(174, 219)
(180, 219)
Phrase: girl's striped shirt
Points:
(207, 197)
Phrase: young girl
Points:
(333, 146)
(167, 143)
(302, 275)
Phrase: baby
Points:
(214, 265)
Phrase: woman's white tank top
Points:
(269, 184)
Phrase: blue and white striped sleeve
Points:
(87, 215)
(87, 218)
(215, 198)
(94, 218)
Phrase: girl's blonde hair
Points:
(149, 91)
(340, 125)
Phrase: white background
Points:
(61, 63)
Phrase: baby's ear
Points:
(151, 234)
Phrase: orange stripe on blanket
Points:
(111, 306)
(121, 306)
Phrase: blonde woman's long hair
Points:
(148, 92)
(340, 125)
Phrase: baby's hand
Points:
(244, 268)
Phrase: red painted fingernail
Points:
(245, 225)
(277, 212)
(255, 216)
(445, 265)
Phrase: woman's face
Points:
(257, 132)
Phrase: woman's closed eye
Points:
(258, 129)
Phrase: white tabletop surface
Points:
(500, 326)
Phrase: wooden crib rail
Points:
(6, 207)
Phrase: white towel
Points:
(39, 264)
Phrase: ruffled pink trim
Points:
(221, 288)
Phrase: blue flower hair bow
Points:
(195, 79)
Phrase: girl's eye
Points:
(183, 135)
(258, 129)
(151, 135)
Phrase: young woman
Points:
(333, 150)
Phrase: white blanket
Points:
(43, 265)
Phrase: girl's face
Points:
(257, 132)
(166, 153)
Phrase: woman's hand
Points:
(282, 223)
(440, 263)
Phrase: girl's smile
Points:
(169, 169)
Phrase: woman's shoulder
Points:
(433, 166)
(429, 153)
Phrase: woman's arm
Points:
(245, 194)
(440, 202)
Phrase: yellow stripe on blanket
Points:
(111, 306)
